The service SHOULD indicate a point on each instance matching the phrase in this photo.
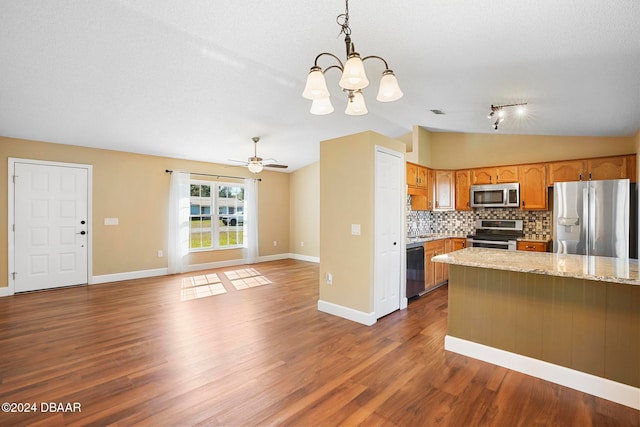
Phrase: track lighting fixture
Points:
(499, 112)
(353, 79)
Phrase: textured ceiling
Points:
(197, 79)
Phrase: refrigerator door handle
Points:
(585, 227)
(591, 221)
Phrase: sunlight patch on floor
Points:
(201, 286)
(246, 278)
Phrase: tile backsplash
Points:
(537, 224)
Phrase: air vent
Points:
(438, 112)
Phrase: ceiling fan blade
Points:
(244, 162)
(273, 165)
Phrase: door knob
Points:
(394, 243)
(83, 222)
(82, 232)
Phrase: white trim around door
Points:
(11, 206)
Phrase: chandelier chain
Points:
(343, 21)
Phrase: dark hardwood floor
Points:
(133, 353)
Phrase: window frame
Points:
(216, 226)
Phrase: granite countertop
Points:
(418, 240)
(604, 269)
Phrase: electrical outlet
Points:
(160, 253)
(301, 243)
(329, 279)
(275, 243)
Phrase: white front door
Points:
(389, 188)
(51, 226)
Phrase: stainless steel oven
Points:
(509, 245)
(496, 234)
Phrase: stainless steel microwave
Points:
(495, 195)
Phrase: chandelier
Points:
(353, 79)
(499, 112)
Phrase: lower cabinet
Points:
(433, 271)
(458, 243)
(532, 246)
(437, 273)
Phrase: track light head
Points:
(500, 112)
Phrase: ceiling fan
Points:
(255, 164)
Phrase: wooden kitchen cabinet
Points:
(462, 193)
(614, 167)
(570, 170)
(430, 178)
(420, 186)
(458, 243)
(632, 170)
(444, 190)
(416, 175)
(433, 271)
(494, 175)
(532, 246)
(607, 168)
(533, 186)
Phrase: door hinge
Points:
(13, 275)
(13, 228)
(14, 178)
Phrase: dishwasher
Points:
(415, 271)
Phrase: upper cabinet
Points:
(570, 170)
(494, 175)
(444, 190)
(447, 190)
(607, 168)
(415, 175)
(533, 186)
(420, 181)
(463, 182)
(617, 167)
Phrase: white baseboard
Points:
(129, 275)
(309, 258)
(276, 257)
(601, 387)
(367, 319)
(141, 274)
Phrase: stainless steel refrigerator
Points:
(592, 218)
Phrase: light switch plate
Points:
(111, 221)
(355, 229)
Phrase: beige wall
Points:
(347, 197)
(461, 150)
(134, 188)
(305, 211)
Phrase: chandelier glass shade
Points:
(352, 81)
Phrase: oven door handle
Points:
(491, 242)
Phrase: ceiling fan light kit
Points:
(256, 164)
(353, 79)
(499, 112)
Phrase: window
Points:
(217, 215)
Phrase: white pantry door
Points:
(389, 189)
(51, 226)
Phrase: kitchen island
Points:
(570, 319)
